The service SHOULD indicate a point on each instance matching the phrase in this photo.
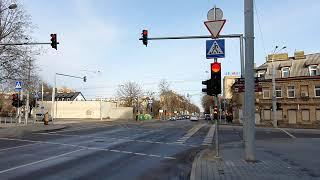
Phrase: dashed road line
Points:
(190, 133)
(124, 138)
(40, 161)
(209, 137)
(289, 134)
(85, 148)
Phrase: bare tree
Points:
(15, 61)
(206, 102)
(129, 93)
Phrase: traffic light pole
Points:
(216, 123)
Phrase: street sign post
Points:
(215, 48)
(18, 86)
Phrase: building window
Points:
(266, 94)
(304, 90)
(285, 72)
(278, 92)
(261, 74)
(291, 92)
(317, 91)
(313, 70)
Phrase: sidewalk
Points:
(282, 159)
(20, 129)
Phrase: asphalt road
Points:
(112, 150)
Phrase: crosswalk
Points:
(207, 140)
(209, 137)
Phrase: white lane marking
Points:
(127, 152)
(153, 155)
(82, 147)
(119, 139)
(40, 161)
(81, 128)
(16, 147)
(113, 150)
(190, 133)
(209, 137)
(289, 134)
(168, 157)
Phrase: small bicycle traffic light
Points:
(54, 41)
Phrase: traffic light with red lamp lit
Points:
(145, 37)
(216, 78)
(214, 84)
(54, 41)
(16, 102)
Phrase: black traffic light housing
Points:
(54, 41)
(216, 78)
(145, 37)
(208, 88)
(16, 102)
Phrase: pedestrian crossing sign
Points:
(18, 86)
(215, 49)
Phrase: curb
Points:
(194, 164)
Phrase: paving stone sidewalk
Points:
(270, 165)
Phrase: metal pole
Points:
(28, 97)
(249, 123)
(217, 128)
(194, 37)
(19, 109)
(100, 109)
(274, 118)
(53, 98)
(241, 56)
(225, 111)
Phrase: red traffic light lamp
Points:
(145, 37)
(54, 41)
(216, 67)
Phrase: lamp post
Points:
(54, 90)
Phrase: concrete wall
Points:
(87, 110)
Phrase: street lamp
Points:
(274, 103)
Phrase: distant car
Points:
(194, 118)
(207, 117)
(172, 118)
(187, 117)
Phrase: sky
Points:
(102, 35)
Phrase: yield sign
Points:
(215, 27)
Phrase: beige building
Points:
(228, 81)
(297, 91)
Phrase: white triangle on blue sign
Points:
(18, 85)
(215, 49)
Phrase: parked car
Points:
(172, 118)
(207, 117)
(194, 118)
(187, 117)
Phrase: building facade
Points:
(297, 91)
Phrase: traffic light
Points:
(208, 89)
(84, 78)
(145, 37)
(216, 78)
(215, 112)
(16, 102)
(54, 41)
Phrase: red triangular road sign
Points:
(215, 27)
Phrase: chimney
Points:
(299, 55)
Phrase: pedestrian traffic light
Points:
(216, 78)
(145, 37)
(16, 102)
(208, 88)
(85, 79)
(54, 41)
